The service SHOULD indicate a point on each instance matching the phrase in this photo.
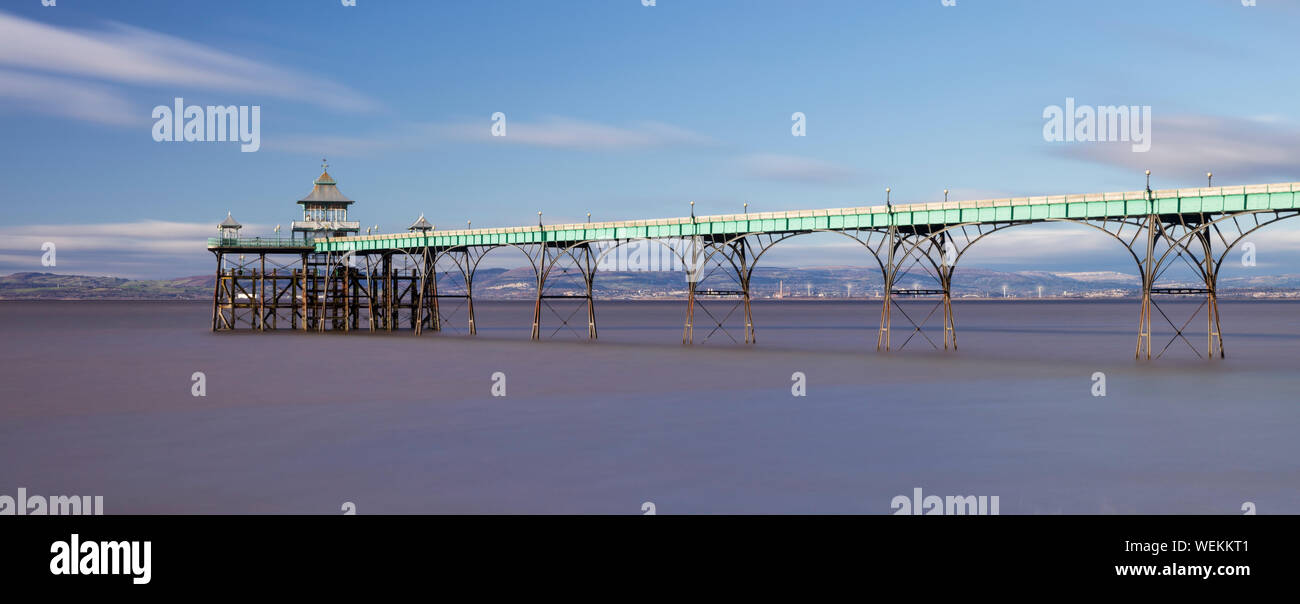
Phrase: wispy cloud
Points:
(405, 137)
(792, 168)
(1185, 147)
(335, 145)
(550, 133)
(571, 133)
(143, 249)
(88, 61)
(62, 97)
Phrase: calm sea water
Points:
(96, 400)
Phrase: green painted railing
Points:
(258, 242)
(1215, 200)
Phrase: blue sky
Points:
(619, 109)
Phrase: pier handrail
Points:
(258, 242)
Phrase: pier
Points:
(327, 276)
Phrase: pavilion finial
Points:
(324, 164)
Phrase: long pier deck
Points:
(922, 216)
(409, 278)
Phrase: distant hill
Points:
(48, 286)
(767, 282)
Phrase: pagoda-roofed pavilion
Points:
(421, 226)
(229, 228)
(325, 210)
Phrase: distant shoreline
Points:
(798, 285)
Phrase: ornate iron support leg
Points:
(946, 266)
(558, 265)
(305, 295)
(346, 297)
(540, 282)
(1213, 334)
(740, 251)
(1148, 278)
(886, 310)
(725, 258)
(469, 301)
(435, 314)
(422, 294)
(920, 251)
(260, 278)
(688, 331)
(463, 261)
(589, 276)
(216, 292)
